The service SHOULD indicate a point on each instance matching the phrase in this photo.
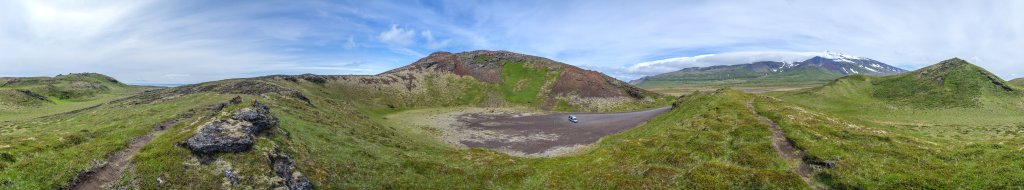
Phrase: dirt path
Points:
(786, 149)
(116, 164)
(548, 134)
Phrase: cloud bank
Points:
(731, 58)
(164, 41)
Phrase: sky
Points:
(191, 41)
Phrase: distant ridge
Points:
(1019, 82)
(818, 69)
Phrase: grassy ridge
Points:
(48, 152)
(338, 133)
(340, 145)
(947, 126)
(951, 83)
(31, 97)
(521, 83)
(1019, 82)
(869, 155)
(740, 79)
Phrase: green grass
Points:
(868, 155)
(59, 94)
(49, 152)
(343, 139)
(952, 83)
(947, 126)
(521, 83)
(741, 77)
(714, 143)
(1019, 82)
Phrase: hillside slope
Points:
(929, 95)
(947, 119)
(328, 132)
(525, 79)
(25, 97)
(1019, 82)
(952, 83)
(322, 131)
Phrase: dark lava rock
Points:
(231, 176)
(314, 78)
(221, 136)
(257, 114)
(284, 168)
(234, 134)
(34, 95)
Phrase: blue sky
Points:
(180, 41)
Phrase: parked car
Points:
(572, 118)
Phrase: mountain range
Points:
(816, 70)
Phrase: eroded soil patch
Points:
(526, 134)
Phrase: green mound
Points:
(72, 87)
(27, 97)
(522, 83)
(950, 83)
(1019, 82)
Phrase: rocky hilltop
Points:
(488, 66)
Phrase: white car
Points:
(572, 118)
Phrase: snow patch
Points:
(836, 56)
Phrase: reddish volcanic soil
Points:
(547, 134)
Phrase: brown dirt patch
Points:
(526, 134)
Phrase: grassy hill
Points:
(945, 121)
(1019, 82)
(333, 131)
(28, 97)
(337, 138)
(509, 79)
(928, 95)
(950, 83)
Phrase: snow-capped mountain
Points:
(822, 67)
(847, 64)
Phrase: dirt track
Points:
(109, 173)
(787, 150)
(549, 134)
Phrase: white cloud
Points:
(350, 43)
(907, 34)
(434, 44)
(209, 40)
(171, 41)
(730, 58)
(398, 36)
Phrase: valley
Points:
(31, 97)
(498, 120)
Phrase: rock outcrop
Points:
(221, 136)
(258, 115)
(285, 169)
(234, 134)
